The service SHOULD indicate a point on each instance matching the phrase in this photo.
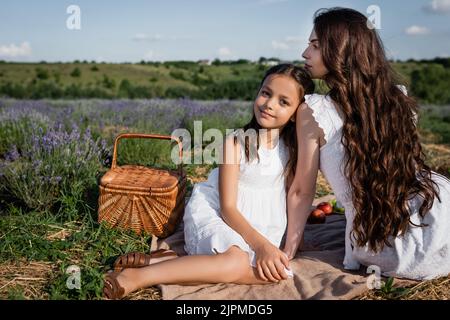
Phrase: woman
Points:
(364, 138)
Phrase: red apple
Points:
(316, 216)
(326, 207)
(317, 213)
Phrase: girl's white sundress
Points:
(261, 198)
(423, 252)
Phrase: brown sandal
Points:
(111, 288)
(138, 259)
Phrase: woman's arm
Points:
(303, 188)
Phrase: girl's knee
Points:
(237, 254)
(235, 263)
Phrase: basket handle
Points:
(151, 136)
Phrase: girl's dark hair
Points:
(384, 159)
(288, 134)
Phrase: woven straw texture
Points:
(142, 198)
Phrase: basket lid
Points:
(140, 178)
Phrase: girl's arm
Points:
(271, 261)
(228, 187)
(303, 188)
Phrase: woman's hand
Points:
(271, 262)
(290, 252)
(290, 249)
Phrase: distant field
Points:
(237, 80)
(123, 80)
(140, 74)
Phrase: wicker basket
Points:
(142, 198)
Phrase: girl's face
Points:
(277, 101)
(313, 58)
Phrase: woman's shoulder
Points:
(402, 89)
(325, 113)
(319, 101)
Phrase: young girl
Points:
(234, 222)
(364, 133)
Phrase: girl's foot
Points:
(138, 259)
(117, 285)
(112, 290)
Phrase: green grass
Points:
(65, 240)
(87, 244)
(138, 74)
(436, 120)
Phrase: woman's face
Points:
(276, 102)
(313, 58)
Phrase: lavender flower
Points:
(12, 154)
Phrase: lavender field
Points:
(49, 147)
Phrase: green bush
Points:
(431, 84)
(231, 89)
(41, 73)
(13, 90)
(179, 75)
(76, 73)
(179, 92)
(108, 83)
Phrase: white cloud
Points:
(294, 39)
(14, 51)
(288, 43)
(152, 55)
(224, 52)
(146, 37)
(417, 30)
(438, 7)
(278, 45)
(149, 55)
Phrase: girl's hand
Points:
(271, 262)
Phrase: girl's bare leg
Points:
(231, 266)
(161, 259)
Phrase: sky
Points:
(163, 30)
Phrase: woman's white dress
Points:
(261, 198)
(423, 252)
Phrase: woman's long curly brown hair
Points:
(288, 134)
(384, 159)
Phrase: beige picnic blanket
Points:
(317, 268)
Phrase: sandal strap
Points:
(138, 259)
(162, 253)
(111, 287)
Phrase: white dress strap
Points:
(405, 92)
(402, 89)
